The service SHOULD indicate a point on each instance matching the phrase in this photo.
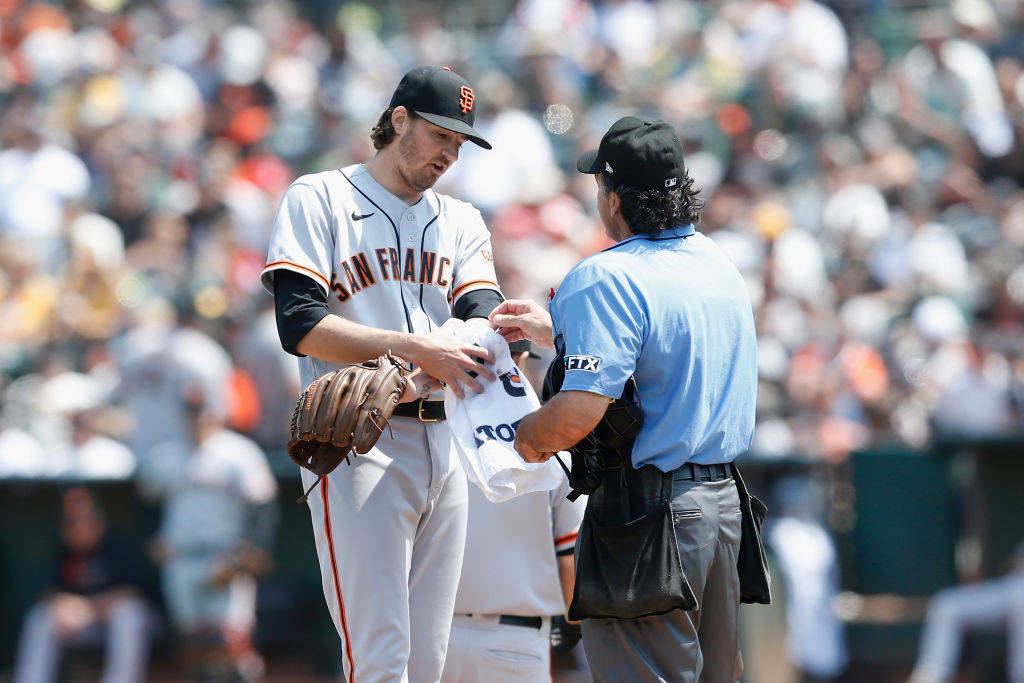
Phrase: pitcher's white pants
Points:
(390, 531)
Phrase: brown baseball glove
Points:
(344, 411)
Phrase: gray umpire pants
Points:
(687, 646)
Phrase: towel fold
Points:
(484, 425)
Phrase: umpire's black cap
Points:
(641, 153)
(442, 97)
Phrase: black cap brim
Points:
(456, 126)
(589, 163)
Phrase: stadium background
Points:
(862, 163)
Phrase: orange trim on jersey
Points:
(300, 267)
(565, 539)
(337, 584)
(471, 283)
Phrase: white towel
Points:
(484, 425)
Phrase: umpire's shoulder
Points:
(601, 269)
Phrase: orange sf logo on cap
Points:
(466, 99)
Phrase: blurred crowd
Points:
(862, 163)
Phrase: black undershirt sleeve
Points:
(300, 303)
(478, 304)
(517, 347)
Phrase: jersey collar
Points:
(678, 232)
(394, 203)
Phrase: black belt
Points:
(424, 411)
(513, 620)
(692, 471)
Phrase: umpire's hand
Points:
(517, 319)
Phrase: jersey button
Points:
(409, 217)
(412, 238)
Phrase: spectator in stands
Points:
(90, 454)
(93, 599)
(863, 168)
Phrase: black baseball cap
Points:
(442, 97)
(641, 153)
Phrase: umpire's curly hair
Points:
(383, 133)
(648, 212)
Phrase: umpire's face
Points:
(425, 151)
(609, 207)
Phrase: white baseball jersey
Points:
(382, 263)
(510, 565)
(206, 492)
(157, 365)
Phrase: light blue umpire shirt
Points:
(673, 309)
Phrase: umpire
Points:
(663, 320)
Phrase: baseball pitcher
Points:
(367, 261)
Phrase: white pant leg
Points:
(180, 577)
(1015, 630)
(126, 648)
(952, 612)
(240, 611)
(39, 647)
(455, 658)
(486, 651)
(437, 561)
(193, 601)
(365, 518)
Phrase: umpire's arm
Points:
(569, 415)
(560, 423)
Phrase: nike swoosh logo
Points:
(357, 217)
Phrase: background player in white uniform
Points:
(518, 572)
(219, 512)
(158, 359)
(364, 260)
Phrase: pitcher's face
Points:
(425, 152)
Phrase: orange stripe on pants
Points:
(337, 583)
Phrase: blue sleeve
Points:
(603, 323)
